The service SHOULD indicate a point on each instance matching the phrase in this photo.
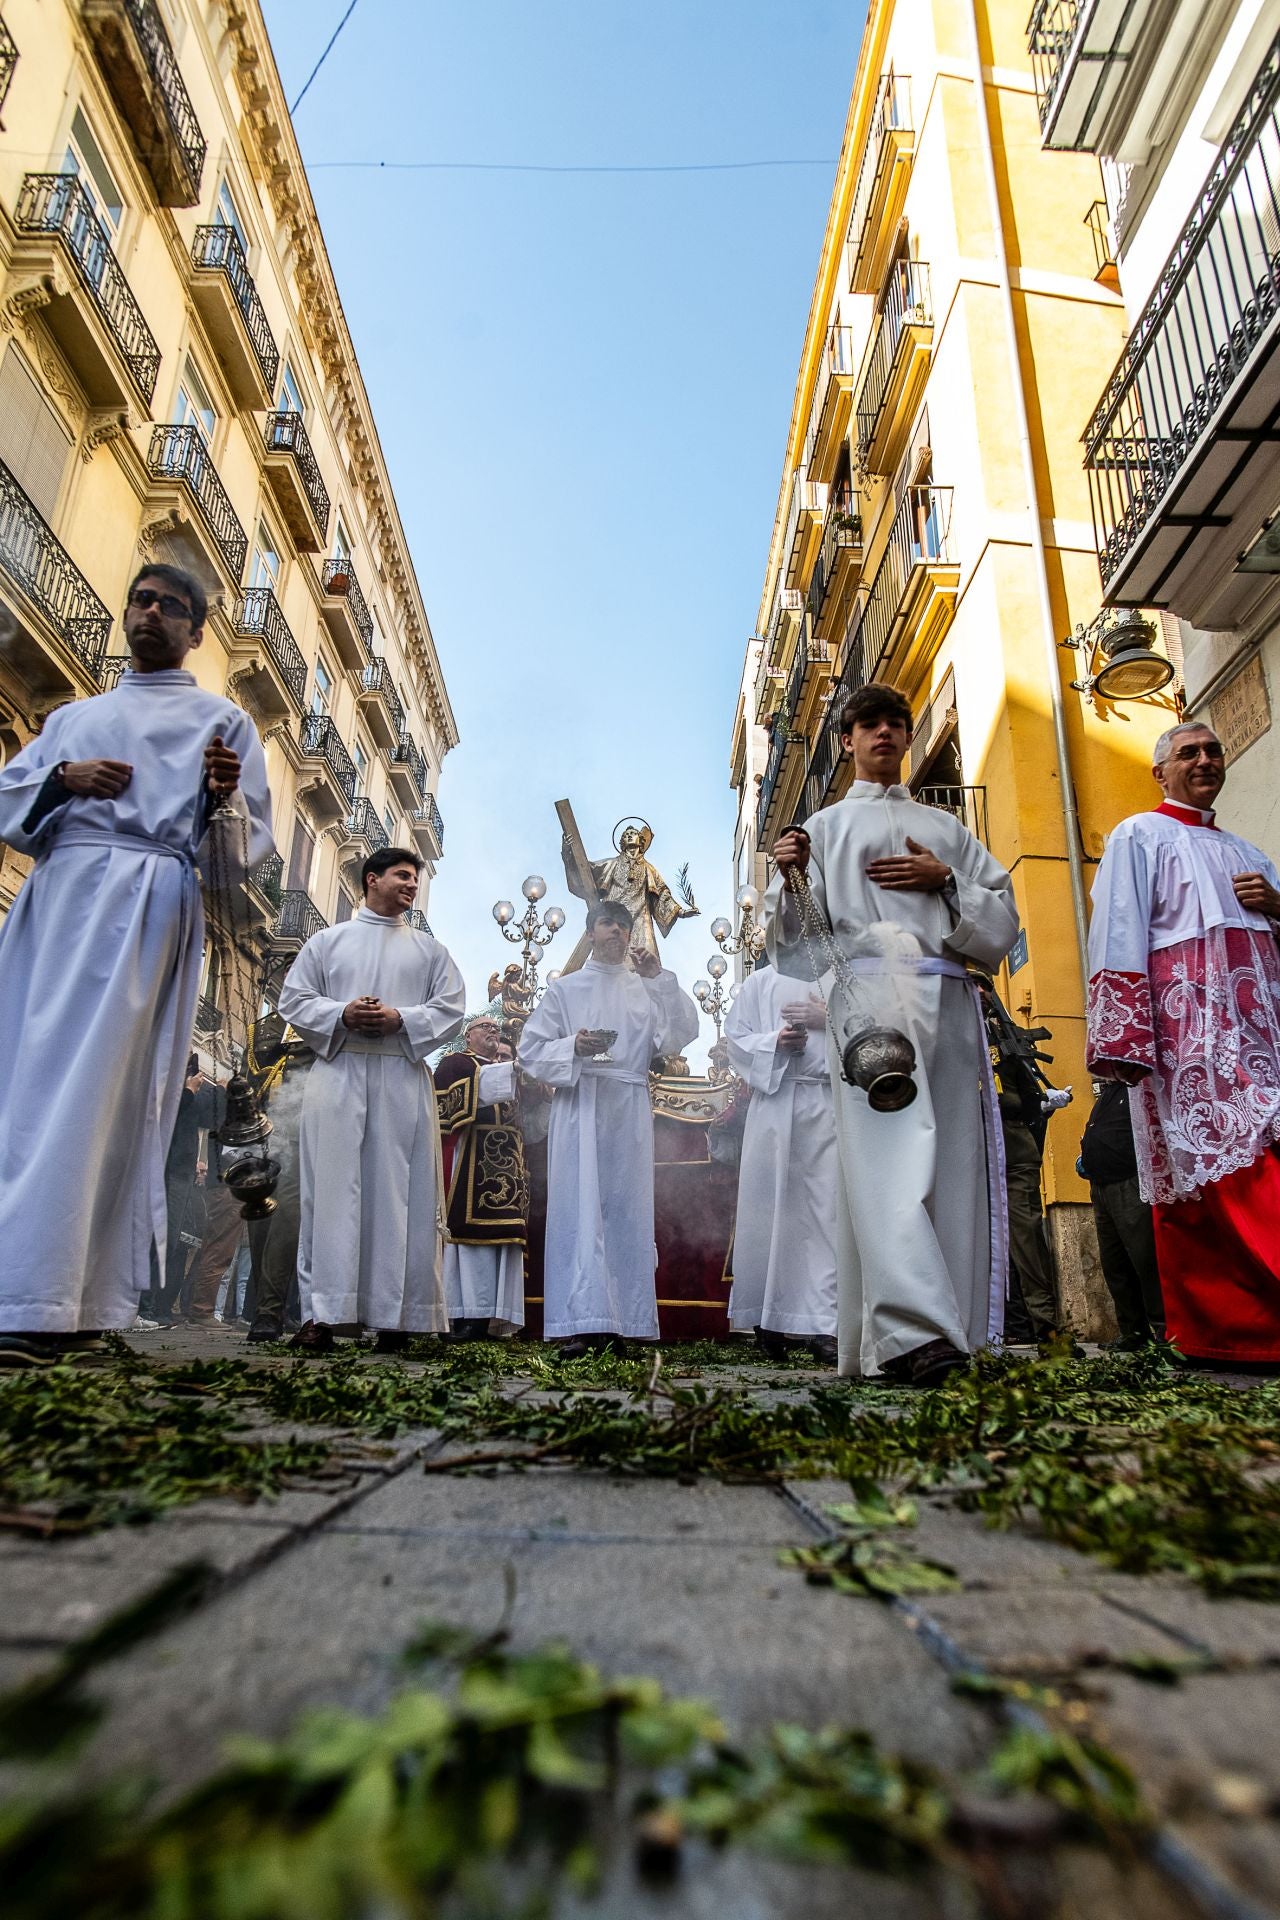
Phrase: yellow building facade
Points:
(177, 383)
(933, 528)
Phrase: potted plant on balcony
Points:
(339, 578)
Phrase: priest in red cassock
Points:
(1184, 1006)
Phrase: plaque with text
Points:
(1241, 713)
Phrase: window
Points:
(193, 407)
(34, 444)
(341, 544)
(84, 158)
(264, 569)
(227, 214)
(322, 691)
(290, 391)
(361, 762)
(300, 852)
(344, 908)
(389, 822)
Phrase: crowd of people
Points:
(880, 1214)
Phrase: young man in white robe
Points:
(784, 1252)
(374, 998)
(100, 962)
(592, 1037)
(910, 894)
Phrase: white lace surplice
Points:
(1186, 982)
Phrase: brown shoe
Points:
(313, 1336)
(928, 1366)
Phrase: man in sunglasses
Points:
(1184, 1008)
(100, 968)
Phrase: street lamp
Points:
(1121, 662)
(531, 933)
(750, 938)
(712, 998)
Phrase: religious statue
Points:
(630, 879)
(513, 993)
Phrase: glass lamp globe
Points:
(717, 967)
(748, 899)
(534, 887)
(553, 919)
(735, 989)
(701, 988)
(721, 929)
(503, 912)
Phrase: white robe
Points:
(784, 1253)
(600, 1251)
(369, 1140)
(921, 1212)
(487, 1283)
(99, 972)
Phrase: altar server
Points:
(374, 998)
(486, 1183)
(784, 1256)
(910, 893)
(592, 1038)
(1184, 1007)
(100, 967)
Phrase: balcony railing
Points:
(808, 498)
(428, 815)
(907, 304)
(890, 116)
(920, 536)
(968, 805)
(218, 249)
(322, 741)
(285, 433)
(258, 612)
(8, 61)
(57, 203)
(338, 577)
(298, 918)
(166, 90)
(42, 569)
(407, 755)
(841, 534)
(268, 878)
(810, 652)
(179, 453)
(364, 823)
(208, 1016)
(1194, 351)
(417, 919)
(837, 358)
(376, 678)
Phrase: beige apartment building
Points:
(934, 526)
(177, 383)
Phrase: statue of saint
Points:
(639, 887)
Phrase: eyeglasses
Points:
(1211, 749)
(143, 598)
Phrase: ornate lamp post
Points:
(713, 999)
(750, 938)
(530, 933)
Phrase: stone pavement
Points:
(321, 1589)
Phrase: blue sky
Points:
(582, 385)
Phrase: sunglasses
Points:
(143, 598)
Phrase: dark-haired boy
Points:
(910, 893)
(100, 968)
(374, 998)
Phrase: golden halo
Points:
(633, 820)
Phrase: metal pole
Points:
(1070, 815)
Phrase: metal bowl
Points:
(882, 1062)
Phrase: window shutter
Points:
(34, 444)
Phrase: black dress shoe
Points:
(771, 1343)
(825, 1349)
(313, 1336)
(575, 1348)
(929, 1365)
(391, 1340)
(469, 1329)
(265, 1327)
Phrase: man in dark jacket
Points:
(1126, 1236)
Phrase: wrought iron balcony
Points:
(364, 823)
(1102, 69)
(829, 413)
(135, 55)
(426, 821)
(789, 732)
(208, 1016)
(376, 694)
(51, 599)
(229, 302)
(8, 62)
(417, 919)
(896, 365)
(406, 761)
(882, 183)
(295, 479)
(1181, 448)
(258, 614)
(968, 805)
(267, 880)
(910, 598)
(840, 553)
(321, 741)
(179, 454)
(346, 614)
(297, 919)
(57, 204)
(804, 516)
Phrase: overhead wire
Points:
(531, 166)
(324, 56)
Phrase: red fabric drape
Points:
(1219, 1259)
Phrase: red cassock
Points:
(1185, 986)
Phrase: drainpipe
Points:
(1070, 815)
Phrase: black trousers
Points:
(1127, 1243)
